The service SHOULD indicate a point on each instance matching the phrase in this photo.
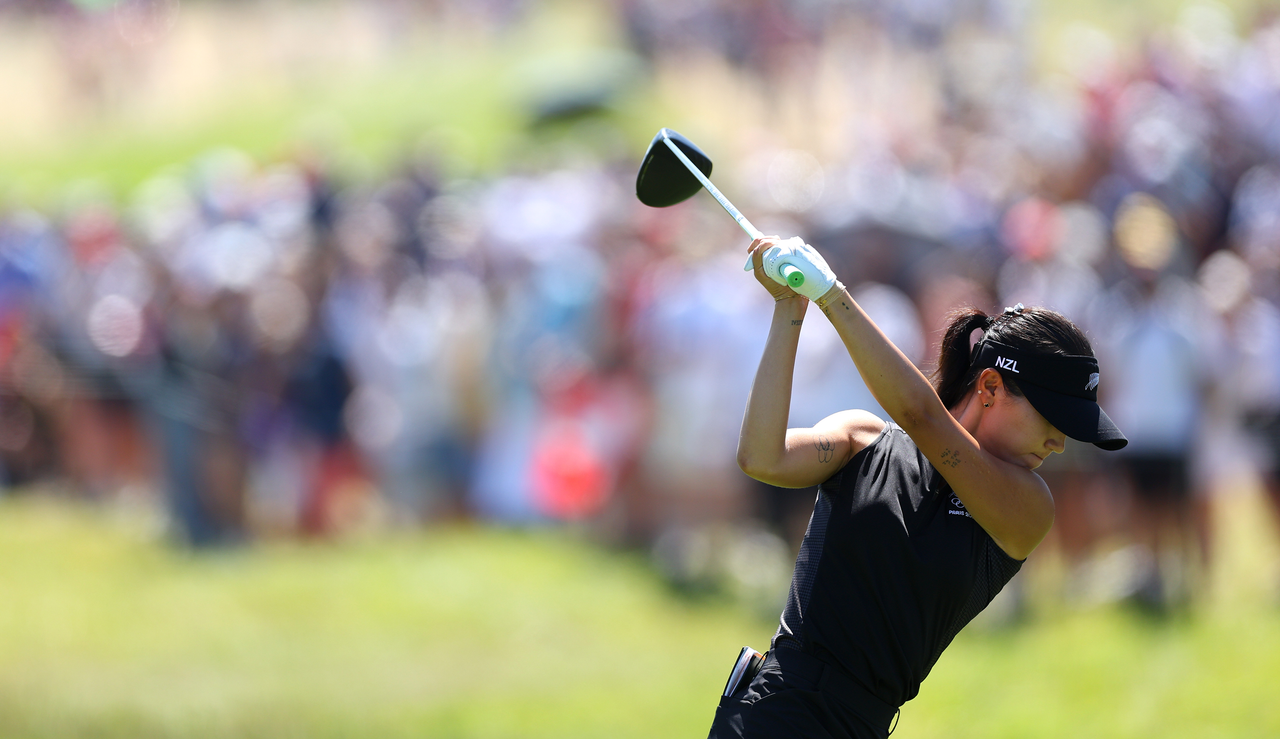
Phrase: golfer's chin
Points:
(1028, 461)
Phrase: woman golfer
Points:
(919, 521)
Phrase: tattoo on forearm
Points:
(826, 450)
(950, 458)
(797, 322)
(846, 305)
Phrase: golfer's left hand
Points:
(776, 286)
(769, 255)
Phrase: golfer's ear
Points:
(990, 381)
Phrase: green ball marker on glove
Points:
(799, 266)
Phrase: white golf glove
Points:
(818, 277)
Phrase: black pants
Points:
(796, 696)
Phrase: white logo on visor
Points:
(1008, 364)
(1093, 381)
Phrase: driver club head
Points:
(663, 179)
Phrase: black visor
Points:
(1062, 387)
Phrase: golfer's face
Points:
(1018, 434)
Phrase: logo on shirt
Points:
(1009, 364)
(1093, 381)
(958, 505)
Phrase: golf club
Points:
(672, 171)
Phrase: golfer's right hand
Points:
(776, 286)
(818, 277)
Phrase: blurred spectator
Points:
(1052, 255)
(1157, 340)
(1245, 429)
(274, 349)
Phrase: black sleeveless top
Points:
(891, 568)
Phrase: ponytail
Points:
(1032, 329)
(951, 379)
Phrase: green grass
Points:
(452, 633)
(477, 632)
(454, 89)
(1107, 674)
(374, 119)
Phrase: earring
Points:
(986, 405)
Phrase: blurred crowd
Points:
(274, 349)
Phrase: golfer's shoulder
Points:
(860, 427)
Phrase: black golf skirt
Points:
(797, 696)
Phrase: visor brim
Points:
(1079, 418)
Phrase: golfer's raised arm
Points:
(893, 380)
(1011, 503)
(767, 450)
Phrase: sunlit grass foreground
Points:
(475, 632)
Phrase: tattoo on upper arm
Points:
(797, 321)
(826, 449)
(950, 458)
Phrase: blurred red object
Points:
(570, 478)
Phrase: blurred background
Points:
(346, 390)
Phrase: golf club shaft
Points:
(721, 199)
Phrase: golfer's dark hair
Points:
(1038, 330)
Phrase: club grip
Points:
(792, 274)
